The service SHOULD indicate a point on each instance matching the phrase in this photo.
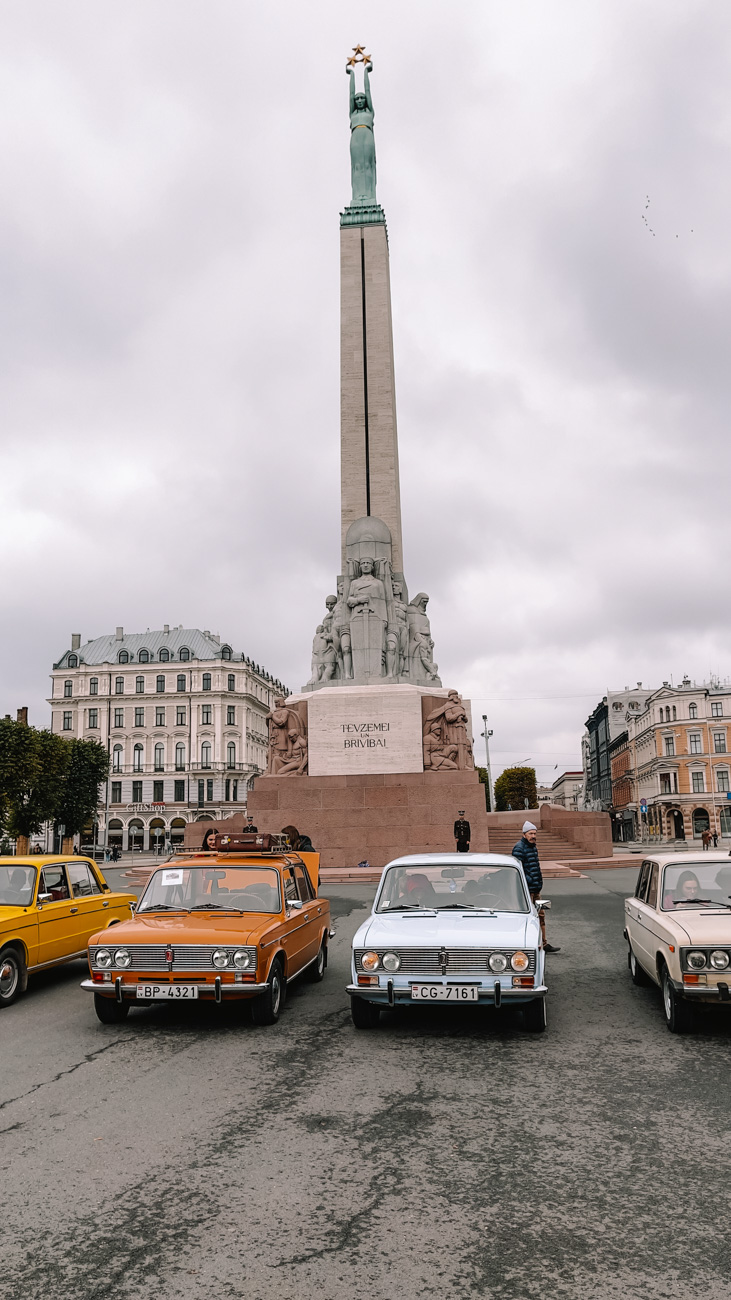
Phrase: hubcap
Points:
(8, 977)
(276, 991)
(668, 997)
(632, 963)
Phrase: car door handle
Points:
(73, 909)
(307, 916)
(106, 904)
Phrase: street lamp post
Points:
(487, 735)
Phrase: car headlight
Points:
(497, 961)
(122, 958)
(719, 959)
(696, 960)
(242, 959)
(520, 961)
(391, 961)
(103, 959)
(370, 961)
(220, 958)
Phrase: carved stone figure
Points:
(324, 658)
(362, 140)
(367, 602)
(281, 722)
(296, 764)
(437, 754)
(449, 722)
(397, 641)
(421, 646)
(341, 630)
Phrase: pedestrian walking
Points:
(462, 833)
(715, 839)
(526, 851)
(706, 839)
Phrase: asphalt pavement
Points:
(187, 1153)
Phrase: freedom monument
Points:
(374, 757)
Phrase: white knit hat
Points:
(528, 826)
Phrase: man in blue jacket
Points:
(526, 851)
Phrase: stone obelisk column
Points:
(368, 440)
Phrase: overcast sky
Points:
(555, 175)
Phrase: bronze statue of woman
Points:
(362, 141)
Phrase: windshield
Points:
(17, 885)
(499, 888)
(188, 888)
(696, 884)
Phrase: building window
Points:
(235, 794)
(181, 681)
(722, 780)
(140, 685)
(227, 795)
(231, 754)
(68, 690)
(119, 717)
(180, 716)
(180, 757)
(119, 686)
(123, 657)
(73, 661)
(232, 681)
(160, 717)
(719, 742)
(116, 792)
(695, 744)
(164, 655)
(180, 791)
(158, 792)
(205, 754)
(226, 652)
(697, 778)
(201, 793)
(159, 758)
(669, 745)
(117, 758)
(143, 657)
(136, 792)
(67, 721)
(716, 709)
(693, 711)
(139, 717)
(93, 719)
(231, 715)
(185, 654)
(675, 714)
(206, 681)
(209, 790)
(160, 684)
(665, 784)
(137, 762)
(94, 686)
(205, 715)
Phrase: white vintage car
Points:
(450, 928)
(678, 928)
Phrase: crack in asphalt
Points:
(45, 1083)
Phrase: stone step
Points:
(551, 847)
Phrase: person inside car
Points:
(687, 889)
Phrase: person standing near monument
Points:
(462, 832)
(526, 851)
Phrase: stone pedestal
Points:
(377, 817)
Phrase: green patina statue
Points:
(362, 141)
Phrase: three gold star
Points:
(358, 56)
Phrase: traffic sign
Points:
(643, 804)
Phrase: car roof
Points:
(688, 855)
(43, 859)
(454, 860)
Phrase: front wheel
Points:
(678, 1012)
(534, 1016)
(365, 1014)
(635, 970)
(266, 1008)
(12, 976)
(109, 1011)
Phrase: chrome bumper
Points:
(696, 992)
(391, 996)
(128, 992)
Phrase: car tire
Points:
(316, 971)
(534, 1016)
(678, 1012)
(109, 1010)
(365, 1014)
(13, 975)
(639, 976)
(265, 1008)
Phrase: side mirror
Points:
(543, 904)
(296, 904)
(45, 898)
(133, 907)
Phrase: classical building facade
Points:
(567, 790)
(183, 716)
(602, 727)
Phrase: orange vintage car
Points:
(216, 925)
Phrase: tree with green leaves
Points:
(35, 768)
(88, 768)
(485, 781)
(514, 786)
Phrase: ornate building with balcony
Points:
(183, 717)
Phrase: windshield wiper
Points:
(409, 907)
(702, 902)
(217, 907)
(162, 907)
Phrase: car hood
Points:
(10, 913)
(705, 927)
(448, 929)
(180, 929)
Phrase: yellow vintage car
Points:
(49, 908)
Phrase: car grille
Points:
(457, 961)
(152, 956)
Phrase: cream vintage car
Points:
(678, 928)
